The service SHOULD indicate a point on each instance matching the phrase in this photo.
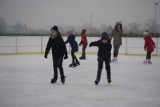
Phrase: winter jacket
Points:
(58, 47)
(83, 38)
(104, 50)
(149, 44)
(117, 38)
(71, 40)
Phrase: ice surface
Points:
(25, 82)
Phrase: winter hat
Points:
(83, 31)
(69, 32)
(145, 33)
(104, 35)
(55, 28)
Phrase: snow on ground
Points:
(25, 82)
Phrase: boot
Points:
(82, 58)
(54, 80)
(109, 79)
(63, 79)
(73, 65)
(98, 76)
(77, 63)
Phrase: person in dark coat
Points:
(104, 55)
(74, 48)
(84, 44)
(59, 52)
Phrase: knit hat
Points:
(55, 28)
(145, 33)
(104, 35)
(69, 32)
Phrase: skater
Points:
(104, 55)
(58, 52)
(74, 48)
(84, 44)
(149, 46)
(117, 34)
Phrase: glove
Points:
(65, 57)
(45, 56)
(90, 45)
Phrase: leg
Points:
(59, 65)
(107, 64)
(99, 71)
(54, 80)
(83, 52)
(76, 62)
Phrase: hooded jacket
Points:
(58, 46)
(104, 49)
(149, 44)
(83, 38)
(71, 40)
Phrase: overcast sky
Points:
(45, 13)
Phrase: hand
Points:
(45, 56)
(65, 57)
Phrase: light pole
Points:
(156, 27)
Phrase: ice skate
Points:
(77, 63)
(97, 81)
(145, 62)
(109, 80)
(73, 65)
(82, 58)
(63, 79)
(114, 60)
(54, 80)
(149, 62)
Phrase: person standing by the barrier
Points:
(117, 34)
(84, 44)
(58, 52)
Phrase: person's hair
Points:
(116, 26)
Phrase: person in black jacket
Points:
(58, 52)
(74, 48)
(104, 55)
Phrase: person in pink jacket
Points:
(84, 44)
(149, 46)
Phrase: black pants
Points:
(148, 55)
(74, 58)
(100, 67)
(57, 64)
(116, 51)
(84, 46)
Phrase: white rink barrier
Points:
(37, 44)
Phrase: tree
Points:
(3, 25)
(134, 27)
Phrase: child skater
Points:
(58, 52)
(104, 55)
(84, 43)
(74, 48)
(149, 45)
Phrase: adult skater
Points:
(117, 34)
(74, 48)
(104, 55)
(58, 52)
(84, 44)
(149, 46)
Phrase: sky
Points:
(46, 13)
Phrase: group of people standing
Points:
(59, 51)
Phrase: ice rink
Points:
(25, 82)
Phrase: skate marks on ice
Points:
(27, 81)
